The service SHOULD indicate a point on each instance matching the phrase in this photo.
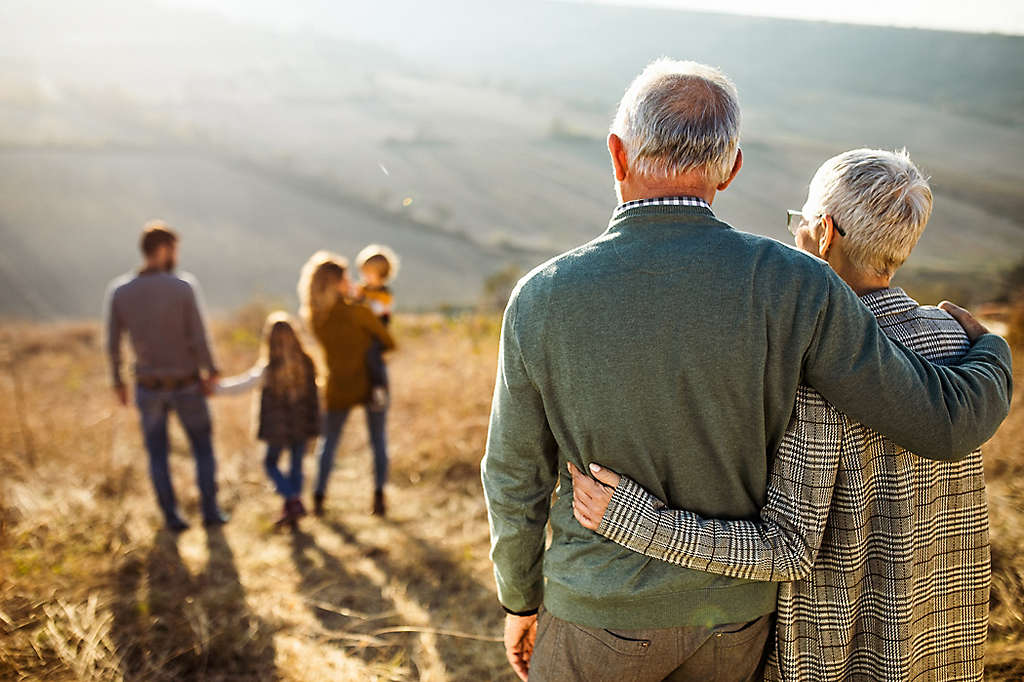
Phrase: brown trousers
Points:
(566, 652)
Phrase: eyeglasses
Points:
(795, 219)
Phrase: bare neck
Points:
(688, 185)
(860, 281)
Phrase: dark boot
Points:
(318, 504)
(299, 508)
(286, 515)
(379, 508)
(218, 518)
(176, 524)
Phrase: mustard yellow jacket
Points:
(346, 334)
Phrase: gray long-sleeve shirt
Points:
(161, 313)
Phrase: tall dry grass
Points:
(1004, 472)
(91, 589)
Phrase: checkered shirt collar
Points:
(660, 201)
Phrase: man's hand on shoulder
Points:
(972, 327)
(520, 636)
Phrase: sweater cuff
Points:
(528, 612)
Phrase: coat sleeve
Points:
(376, 328)
(242, 383)
(783, 543)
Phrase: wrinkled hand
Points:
(590, 498)
(964, 318)
(121, 392)
(520, 636)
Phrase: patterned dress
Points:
(883, 556)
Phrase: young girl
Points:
(346, 331)
(289, 407)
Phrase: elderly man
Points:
(160, 312)
(671, 348)
(888, 552)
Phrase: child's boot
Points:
(286, 514)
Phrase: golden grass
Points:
(91, 589)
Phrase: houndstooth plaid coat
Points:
(883, 556)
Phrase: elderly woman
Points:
(883, 556)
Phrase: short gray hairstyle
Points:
(880, 199)
(677, 117)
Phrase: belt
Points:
(167, 383)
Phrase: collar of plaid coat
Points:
(891, 301)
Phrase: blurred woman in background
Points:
(345, 332)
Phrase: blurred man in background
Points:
(160, 312)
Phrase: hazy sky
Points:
(1001, 16)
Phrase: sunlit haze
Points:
(981, 16)
(468, 136)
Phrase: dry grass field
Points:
(92, 589)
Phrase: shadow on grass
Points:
(170, 625)
(347, 606)
(454, 597)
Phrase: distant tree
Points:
(498, 287)
(1013, 282)
(1013, 288)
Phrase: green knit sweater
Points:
(670, 349)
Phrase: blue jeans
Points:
(334, 422)
(289, 486)
(190, 404)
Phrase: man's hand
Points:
(210, 384)
(590, 498)
(520, 636)
(121, 391)
(971, 325)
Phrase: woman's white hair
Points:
(880, 200)
(677, 117)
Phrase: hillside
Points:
(467, 135)
(91, 589)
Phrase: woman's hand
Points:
(590, 498)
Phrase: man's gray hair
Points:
(677, 117)
(880, 199)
